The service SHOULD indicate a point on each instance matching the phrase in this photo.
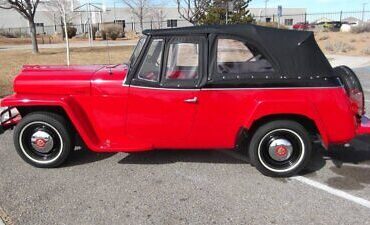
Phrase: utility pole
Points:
(363, 11)
(266, 1)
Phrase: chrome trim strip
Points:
(231, 89)
(165, 89)
(277, 88)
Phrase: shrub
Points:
(366, 51)
(323, 38)
(71, 32)
(339, 47)
(94, 30)
(112, 31)
(365, 27)
(104, 35)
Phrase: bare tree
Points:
(140, 8)
(64, 10)
(158, 16)
(27, 8)
(192, 10)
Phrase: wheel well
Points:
(24, 110)
(245, 134)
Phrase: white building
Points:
(48, 21)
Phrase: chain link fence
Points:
(287, 20)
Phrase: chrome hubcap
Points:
(42, 142)
(280, 149)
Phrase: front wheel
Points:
(280, 148)
(42, 139)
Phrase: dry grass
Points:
(343, 43)
(12, 61)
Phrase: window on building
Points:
(268, 20)
(236, 57)
(151, 67)
(171, 23)
(288, 22)
(39, 24)
(183, 61)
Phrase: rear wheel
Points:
(280, 148)
(42, 139)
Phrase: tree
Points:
(140, 8)
(193, 11)
(158, 16)
(27, 8)
(231, 12)
(63, 8)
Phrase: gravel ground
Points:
(183, 187)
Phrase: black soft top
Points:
(295, 53)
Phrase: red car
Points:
(303, 26)
(271, 92)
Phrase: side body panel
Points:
(161, 118)
(223, 112)
(100, 118)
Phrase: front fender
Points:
(71, 107)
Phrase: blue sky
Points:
(310, 5)
(315, 5)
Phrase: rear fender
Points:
(73, 110)
(298, 108)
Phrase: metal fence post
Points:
(305, 17)
(341, 14)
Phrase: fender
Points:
(265, 108)
(77, 116)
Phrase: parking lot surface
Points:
(186, 187)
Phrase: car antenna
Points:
(108, 53)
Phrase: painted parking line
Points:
(315, 184)
(333, 191)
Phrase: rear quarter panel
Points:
(222, 113)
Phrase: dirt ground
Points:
(11, 61)
(344, 43)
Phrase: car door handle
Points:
(191, 100)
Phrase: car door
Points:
(163, 95)
(228, 98)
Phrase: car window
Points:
(137, 50)
(151, 66)
(235, 57)
(182, 61)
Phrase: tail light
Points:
(357, 100)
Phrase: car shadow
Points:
(351, 169)
(82, 156)
(173, 156)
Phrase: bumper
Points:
(364, 127)
(8, 119)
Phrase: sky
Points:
(312, 6)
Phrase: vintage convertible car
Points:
(271, 92)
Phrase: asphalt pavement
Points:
(186, 187)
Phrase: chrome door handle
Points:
(191, 100)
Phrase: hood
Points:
(37, 79)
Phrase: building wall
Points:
(155, 18)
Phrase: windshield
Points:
(137, 51)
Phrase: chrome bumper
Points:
(364, 127)
(8, 119)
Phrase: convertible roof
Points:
(295, 53)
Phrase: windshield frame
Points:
(137, 50)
